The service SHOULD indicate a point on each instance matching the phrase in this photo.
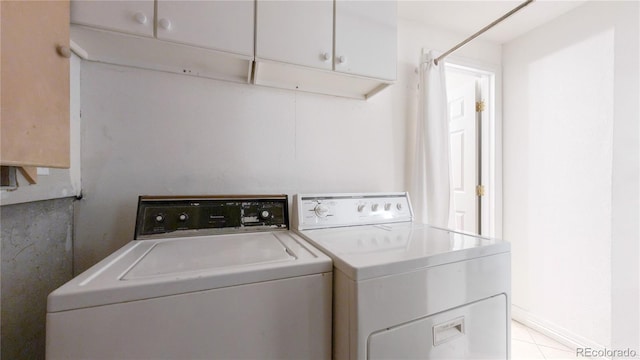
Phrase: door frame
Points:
(491, 151)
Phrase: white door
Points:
(295, 32)
(464, 155)
(220, 25)
(135, 17)
(366, 38)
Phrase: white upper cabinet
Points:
(338, 47)
(205, 38)
(295, 32)
(133, 17)
(365, 38)
(220, 25)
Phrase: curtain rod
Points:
(464, 42)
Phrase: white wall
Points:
(147, 132)
(571, 174)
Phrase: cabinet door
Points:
(295, 32)
(220, 25)
(34, 116)
(134, 17)
(365, 38)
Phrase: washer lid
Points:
(194, 255)
(365, 252)
(145, 269)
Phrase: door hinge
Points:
(480, 190)
(480, 106)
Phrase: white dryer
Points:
(206, 278)
(404, 290)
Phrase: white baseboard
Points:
(552, 330)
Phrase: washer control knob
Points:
(360, 207)
(321, 210)
(399, 206)
(387, 206)
(159, 218)
(183, 217)
(375, 207)
(265, 214)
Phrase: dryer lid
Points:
(370, 251)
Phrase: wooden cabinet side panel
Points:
(34, 114)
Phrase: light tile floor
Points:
(528, 344)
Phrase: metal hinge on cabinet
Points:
(480, 106)
(480, 190)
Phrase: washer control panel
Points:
(162, 216)
(315, 211)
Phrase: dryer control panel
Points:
(165, 216)
(316, 211)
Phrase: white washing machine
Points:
(206, 278)
(404, 290)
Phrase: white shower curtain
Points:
(430, 192)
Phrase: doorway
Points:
(472, 131)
